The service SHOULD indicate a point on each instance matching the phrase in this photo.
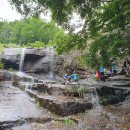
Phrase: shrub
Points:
(36, 44)
(11, 69)
(76, 89)
(68, 121)
(1, 65)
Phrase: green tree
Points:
(66, 42)
(106, 25)
(28, 30)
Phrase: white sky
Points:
(7, 13)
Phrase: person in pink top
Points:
(99, 75)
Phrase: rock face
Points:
(35, 60)
(72, 98)
(6, 76)
(61, 105)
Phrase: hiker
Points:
(102, 73)
(113, 69)
(98, 75)
(126, 65)
(67, 77)
(75, 77)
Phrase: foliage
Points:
(76, 89)
(10, 45)
(68, 121)
(66, 42)
(109, 27)
(11, 69)
(36, 44)
(106, 25)
(28, 30)
(1, 65)
(1, 48)
(95, 78)
(61, 10)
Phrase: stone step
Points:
(128, 76)
(121, 84)
(54, 89)
(119, 78)
(60, 105)
(72, 89)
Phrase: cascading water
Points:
(22, 60)
(95, 99)
(50, 51)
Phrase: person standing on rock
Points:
(127, 66)
(98, 75)
(102, 73)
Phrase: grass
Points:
(68, 121)
(76, 89)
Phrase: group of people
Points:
(71, 75)
(104, 73)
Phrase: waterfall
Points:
(22, 60)
(95, 99)
(50, 51)
(52, 61)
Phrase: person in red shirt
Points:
(99, 75)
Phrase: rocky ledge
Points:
(61, 105)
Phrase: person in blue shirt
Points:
(113, 68)
(75, 77)
(67, 77)
(102, 73)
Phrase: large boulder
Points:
(5, 75)
(11, 61)
(35, 60)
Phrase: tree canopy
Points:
(106, 25)
(27, 31)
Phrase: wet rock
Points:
(54, 89)
(58, 65)
(35, 60)
(11, 61)
(61, 105)
(40, 67)
(51, 125)
(119, 78)
(47, 64)
(5, 75)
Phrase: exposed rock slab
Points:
(119, 78)
(61, 105)
(54, 89)
(6, 76)
(17, 51)
(35, 60)
(15, 104)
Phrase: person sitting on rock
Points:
(75, 77)
(67, 77)
(113, 68)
